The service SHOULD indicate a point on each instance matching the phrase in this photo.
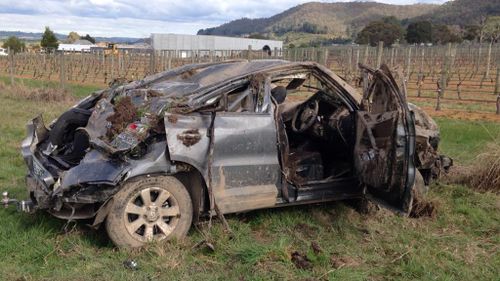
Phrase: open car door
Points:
(385, 142)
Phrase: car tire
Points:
(134, 219)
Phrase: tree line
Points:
(390, 30)
(49, 41)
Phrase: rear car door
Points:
(245, 168)
(385, 143)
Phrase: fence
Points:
(462, 77)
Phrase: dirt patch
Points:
(462, 114)
(423, 208)
(189, 137)
(341, 261)
(125, 113)
(301, 261)
(316, 247)
(306, 230)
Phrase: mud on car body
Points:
(150, 157)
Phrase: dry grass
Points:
(44, 94)
(483, 174)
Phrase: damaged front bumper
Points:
(80, 190)
(39, 180)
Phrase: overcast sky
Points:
(134, 18)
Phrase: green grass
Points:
(461, 243)
(463, 140)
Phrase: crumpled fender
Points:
(97, 168)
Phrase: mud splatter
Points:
(172, 118)
(422, 208)
(306, 229)
(188, 73)
(339, 262)
(189, 137)
(301, 261)
(157, 124)
(125, 113)
(316, 248)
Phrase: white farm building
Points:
(182, 42)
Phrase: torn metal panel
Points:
(95, 168)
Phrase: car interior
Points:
(318, 128)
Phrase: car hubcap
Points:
(152, 214)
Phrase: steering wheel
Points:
(308, 112)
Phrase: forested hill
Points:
(337, 19)
(463, 12)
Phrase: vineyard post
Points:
(349, 60)
(62, 71)
(438, 96)
(392, 57)
(488, 61)
(249, 53)
(325, 58)
(445, 69)
(365, 57)
(497, 89)
(112, 66)
(420, 79)
(119, 64)
(152, 62)
(11, 65)
(408, 65)
(169, 63)
(379, 53)
(357, 58)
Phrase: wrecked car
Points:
(149, 158)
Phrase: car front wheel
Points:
(149, 209)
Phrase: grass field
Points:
(460, 243)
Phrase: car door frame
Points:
(199, 154)
(397, 194)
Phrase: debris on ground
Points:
(301, 261)
(316, 248)
(131, 264)
(339, 262)
(423, 208)
(307, 230)
(204, 245)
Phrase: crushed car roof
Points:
(195, 80)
